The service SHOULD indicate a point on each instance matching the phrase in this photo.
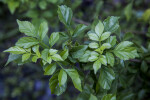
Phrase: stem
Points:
(60, 65)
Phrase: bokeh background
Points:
(27, 82)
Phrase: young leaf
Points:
(93, 45)
(44, 54)
(79, 29)
(103, 60)
(105, 36)
(92, 97)
(62, 77)
(65, 14)
(27, 28)
(34, 59)
(16, 50)
(75, 78)
(64, 54)
(124, 51)
(36, 50)
(53, 51)
(85, 57)
(43, 29)
(112, 40)
(27, 42)
(50, 69)
(93, 36)
(111, 24)
(53, 38)
(26, 56)
(106, 77)
(57, 57)
(99, 28)
(109, 97)
(97, 65)
(110, 58)
(49, 59)
(93, 58)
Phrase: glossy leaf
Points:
(97, 65)
(16, 50)
(62, 77)
(57, 57)
(93, 36)
(12, 57)
(27, 28)
(26, 56)
(93, 45)
(79, 30)
(53, 38)
(65, 14)
(75, 78)
(99, 28)
(105, 36)
(27, 42)
(36, 50)
(124, 51)
(53, 51)
(106, 77)
(85, 56)
(112, 40)
(64, 54)
(43, 29)
(111, 24)
(50, 69)
(110, 58)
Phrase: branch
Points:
(81, 21)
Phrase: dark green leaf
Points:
(106, 77)
(50, 69)
(109, 97)
(79, 30)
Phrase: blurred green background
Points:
(27, 82)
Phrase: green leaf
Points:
(27, 42)
(43, 29)
(103, 47)
(78, 51)
(56, 57)
(85, 56)
(50, 69)
(93, 57)
(144, 66)
(44, 54)
(27, 28)
(111, 24)
(92, 97)
(128, 36)
(36, 50)
(79, 30)
(26, 56)
(53, 51)
(34, 59)
(64, 54)
(105, 36)
(49, 59)
(99, 28)
(109, 97)
(13, 5)
(103, 60)
(106, 77)
(128, 11)
(12, 57)
(75, 78)
(53, 38)
(124, 51)
(55, 88)
(112, 40)
(146, 15)
(16, 50)
(93, 36)
(97, 65)
(110, 58)
(65, 14)
(93, 45)
(62, 77)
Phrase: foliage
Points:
(102, 54)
